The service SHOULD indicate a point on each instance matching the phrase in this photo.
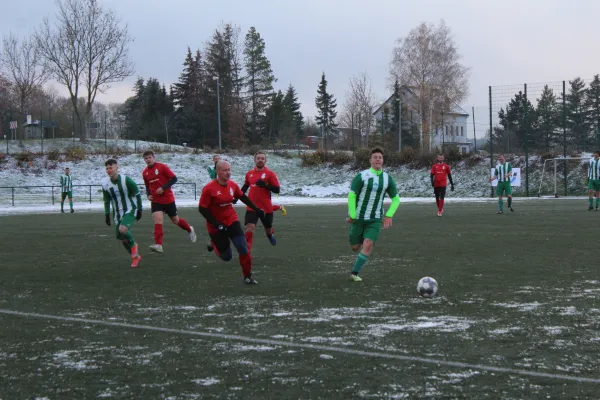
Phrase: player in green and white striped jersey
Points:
(503, 173)
(66, 190)
(365, 209)
(594, 180)
(123, 194)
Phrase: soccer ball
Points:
(427, 287)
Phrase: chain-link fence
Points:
(546, 120)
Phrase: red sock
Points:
(246, 263)
(276, 208)
(441, 205)
(184, 225)
(158, 233)
(249, 239)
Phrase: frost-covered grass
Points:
(319, 182)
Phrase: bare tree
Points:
(24, 69)
(360, 103)
(428, 62)
(86, 48)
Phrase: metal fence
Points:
(553, 119)
(29, 195)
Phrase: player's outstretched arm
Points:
(355, 187)
(169, 183)
(209, 217)
(244, 188)
(431, 177)
(269, 187)
(244, 199)
(451, 182)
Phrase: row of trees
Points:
(232, 80)
(545, 124)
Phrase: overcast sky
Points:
(503, 42)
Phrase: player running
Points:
(365, 209)
(158, 179)
(124, 195)
(212, 171)
(503, 173)
(439, 172)
(594, 180)
(66, 190)
(262, 182)
(224, 228)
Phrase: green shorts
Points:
(361, 229)
(127, 221)
(594, 184)
(68, 194)
(503, 187)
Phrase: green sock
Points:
(71, 204)
(597, 202)
(591, 200)
(360, 261)
(126, 245)
(500, 205)
(130, 239)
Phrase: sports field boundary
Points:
(271, 342)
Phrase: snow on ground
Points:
(315, 185)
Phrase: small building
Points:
(452, 130)
(34, 129)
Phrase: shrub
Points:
(339, 158)
(473, 160)
(75, 154)
(3, 158)
(53, 155)
(407, 155)
(251, 150)
(25, 157)
(361, 158)
(283, 154)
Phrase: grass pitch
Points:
(519, 291)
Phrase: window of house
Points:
(462, 132)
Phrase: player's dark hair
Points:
(148, 153)
(597, 152)
(259, 152)
(110, 161)
(376, 150)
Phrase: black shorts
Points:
(169, 209)
(252, 218)
(439, 191)
(222, 239)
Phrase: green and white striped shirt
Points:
(66, 183)
(594, 170)
(370, 187)
(124, 196)
(503, 172)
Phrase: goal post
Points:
(549, 177)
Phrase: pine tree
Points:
(187, 97)
(548, 119)
(275, 118)
(293, 117)
(577, 115)
(592, 105)
(259, 82)
(515, 126)
(326, 110)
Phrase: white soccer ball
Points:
(427, 287)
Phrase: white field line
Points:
(341, 350)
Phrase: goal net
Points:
(553, 182)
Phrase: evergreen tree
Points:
(548, 119)
(577, 116)
(275, 118)
(259, 82)
(294, 120)
(592, 105)
(326, 110)
(187, 98)
(515, 126)
(221, 60)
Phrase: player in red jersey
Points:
(439, 172)
(224, 228)
(158, 179)
(262, 182)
